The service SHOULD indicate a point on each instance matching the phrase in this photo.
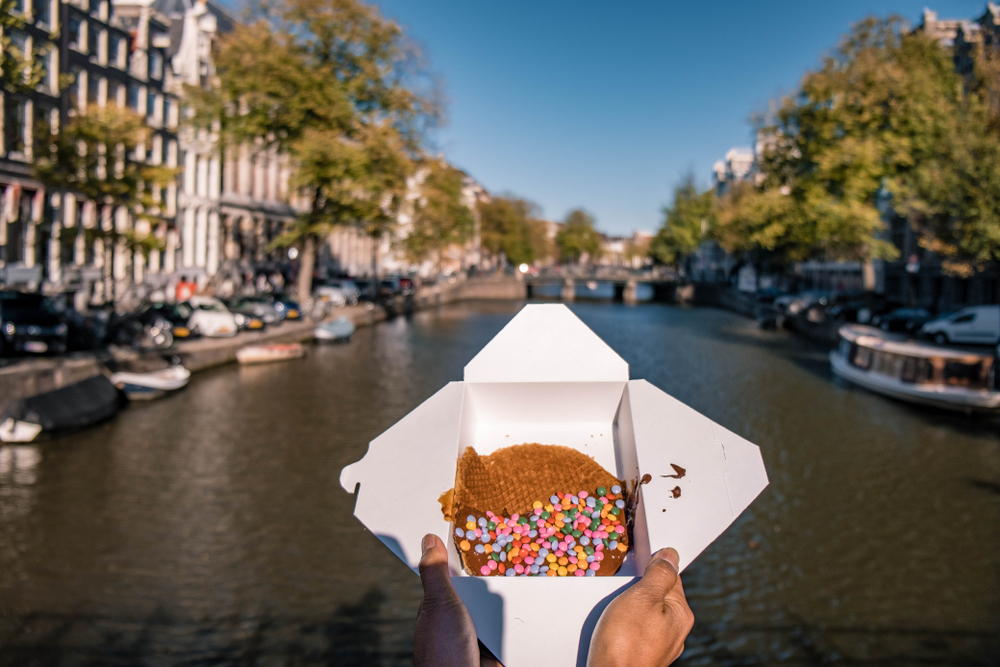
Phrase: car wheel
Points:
(941, 339)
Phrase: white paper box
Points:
(547, 378)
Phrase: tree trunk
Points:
(868, 274)
(375, 257)
(306, 263)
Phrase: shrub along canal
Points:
(209, 527)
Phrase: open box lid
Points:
(414, 461)
(546, 343)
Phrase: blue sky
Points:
(606, 105)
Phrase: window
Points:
(13, 124)
(19, 6)
(151, 104)
(168, 112)
(133, 96)
(155, 65)
(93, 89)
(116, 93)
(93, 40)
(73, 90)
(44, 63)
(42, 10)
(19, 41)
(75, 30)
(42, 124)
(964, 319)
(116, 51)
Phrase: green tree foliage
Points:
(440, 216)
(870, 122)
(19, 73)
(506, 225)
(685, 223)
(578, 237)
(335, 86)
(93, 158)
(952, 198)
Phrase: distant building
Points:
(738, 165)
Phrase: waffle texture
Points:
(510, 479)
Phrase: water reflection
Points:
(209, 527)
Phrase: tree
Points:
(952, 199)
(578, 237)
(506, 229)
(334, 85)
(93, 157)
(685, 223)
(18, 72)
(866, 125)
(440, 216)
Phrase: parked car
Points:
(245, 317)
(978, 324)
(143, 328)
(796, 303)
(331, 295)
(905, 320)
(210, 317)
(287, 307)
(177, 314)
(860, 310)
(256, 306)
(30, 323)
(348, 288)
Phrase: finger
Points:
(661, 574)
(433, 568)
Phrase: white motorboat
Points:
(949, 378)
(262, 354)
(340, 329)
(147, 386)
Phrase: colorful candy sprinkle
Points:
(565, 537)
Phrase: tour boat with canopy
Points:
(908, 370)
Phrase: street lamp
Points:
(523, 268)
(293, 253)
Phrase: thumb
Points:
(661, 574)
(433, 568)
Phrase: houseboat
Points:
(908, 370)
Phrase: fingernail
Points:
(426, 544)
(671, 556)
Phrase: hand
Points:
(646, 625)
(445, 635)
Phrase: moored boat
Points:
(340, 329)
(908, 370)
(74, 406)
(147, 386)
(262, 354)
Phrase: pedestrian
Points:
(643, 627)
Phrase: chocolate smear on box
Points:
(678, 472)
(526, 509)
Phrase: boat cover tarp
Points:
(73, 406)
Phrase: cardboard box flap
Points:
(410, 465)
(510, 613)
(689, 512)
(546, 343)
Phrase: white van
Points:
(978, 324)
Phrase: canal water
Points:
(209, 527)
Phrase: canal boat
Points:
(908, 370)
(152, 384)
(74, 406)
(262, 354)
(340, 329)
